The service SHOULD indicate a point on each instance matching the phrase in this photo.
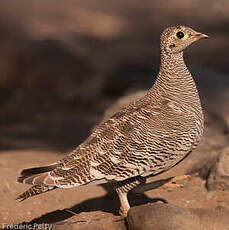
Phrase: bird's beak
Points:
(198, 36)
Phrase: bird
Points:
(147, 137)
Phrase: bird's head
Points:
(176, 39)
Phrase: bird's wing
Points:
(114, 151)
(131, 143)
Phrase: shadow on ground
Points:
(108, 203)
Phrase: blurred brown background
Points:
(62, 63)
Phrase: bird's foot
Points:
(123, 212)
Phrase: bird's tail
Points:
(35, 177)
(35, 190)
(27, 175)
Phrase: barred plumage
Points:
(147, 137)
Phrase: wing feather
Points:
(107, 154)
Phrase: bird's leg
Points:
(122, 189)
(124, 204)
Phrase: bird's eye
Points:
(179, 34)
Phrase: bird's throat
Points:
(174, 81)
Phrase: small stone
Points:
(224, 163)
(219, 173)
(161, 217)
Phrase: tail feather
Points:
(31, 172)
(35, 190)
(36, 177)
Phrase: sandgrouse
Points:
(147, 137)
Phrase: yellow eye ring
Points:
(181, 35)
